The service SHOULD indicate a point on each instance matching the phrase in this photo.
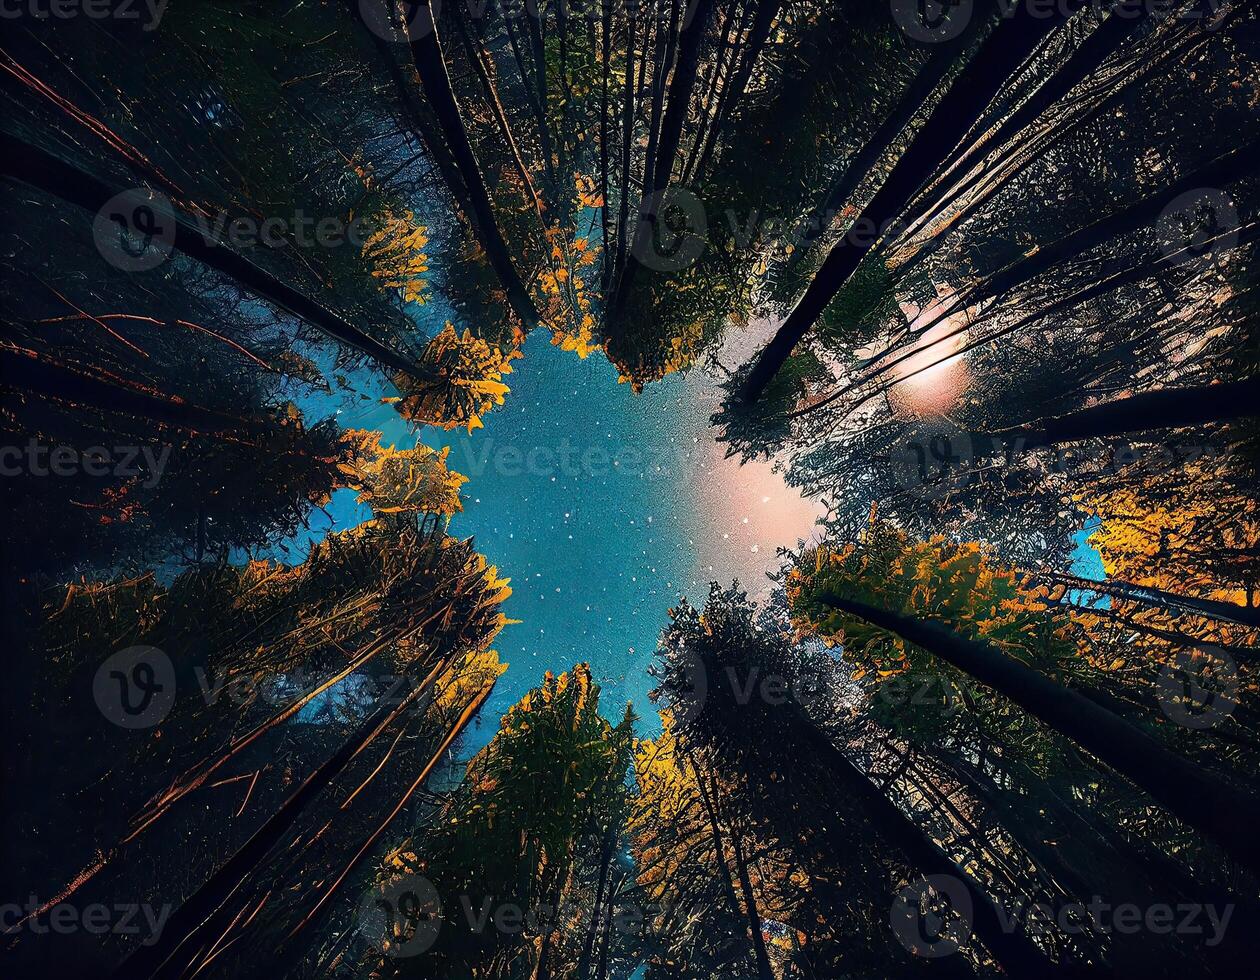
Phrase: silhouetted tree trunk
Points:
(1009, 161)
(1225, 170)
(733, 93)
(595, 928)
(657, 181)
(1230, 612)
(417, 115)
(1011, 42)
(1202, 800)
(1166, 408)
(52, 175)
(28, 372)
(200, 910)
(749, 909)
(627, 146)
(926, 81)
(426, 50)
(1104, 42)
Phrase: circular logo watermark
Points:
(932, 21)
(678, 230)
(399, 23)
(932, 917)
(1197, 225)
(135, 230)
(932, 460)
(1199, 691)
(400, 918)
(135, 687)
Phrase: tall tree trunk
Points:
(750, 905)
(52, 175)
(926, 81)
(601, 969)
(1139, 272)
(588, 944)
(1018, 956)
(733, 94)
(663, 60)
(531, 97)
(194, 920)
(1105, 41)
(1011, 42)
(1225, 170)
(1007, 162)
(426, 50)
(483, 67)
(710, 101)
(533, 27)
(656, 182)
(1202, 800)
(26, 371)
(1166, 408)
(753, 920)
(605, 59)
(417, 115)
(1230, 612)
(627, 146)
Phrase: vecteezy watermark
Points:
(400, 918)
(1197, 226)
(147, 13)
(693, 685)
(935, 458)
(136, 230)
(672, 232)
(933, 917)
(1199, 689)
(97, 919)
(675, 227)
(932, 21)
(135, 688)
(403, 917)
(575, 462)
(38, 459)
(938, 21)
(933, 691)
(401, 21)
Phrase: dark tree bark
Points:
(1018, 956)
(531, 96)
(1104, 42)
(733, 94)
(657, 181)
(52, 175)
(416, 114)
(27, 372)
(1011, 42)
(749, 910)
(1230, 612)
(627, 146)
(1225, 170)
(1203, 801)
(193, 922)
(605, 59)
(925, 82)
(588, 944)
(426, 50)
(483, 66)
(1167, 408)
